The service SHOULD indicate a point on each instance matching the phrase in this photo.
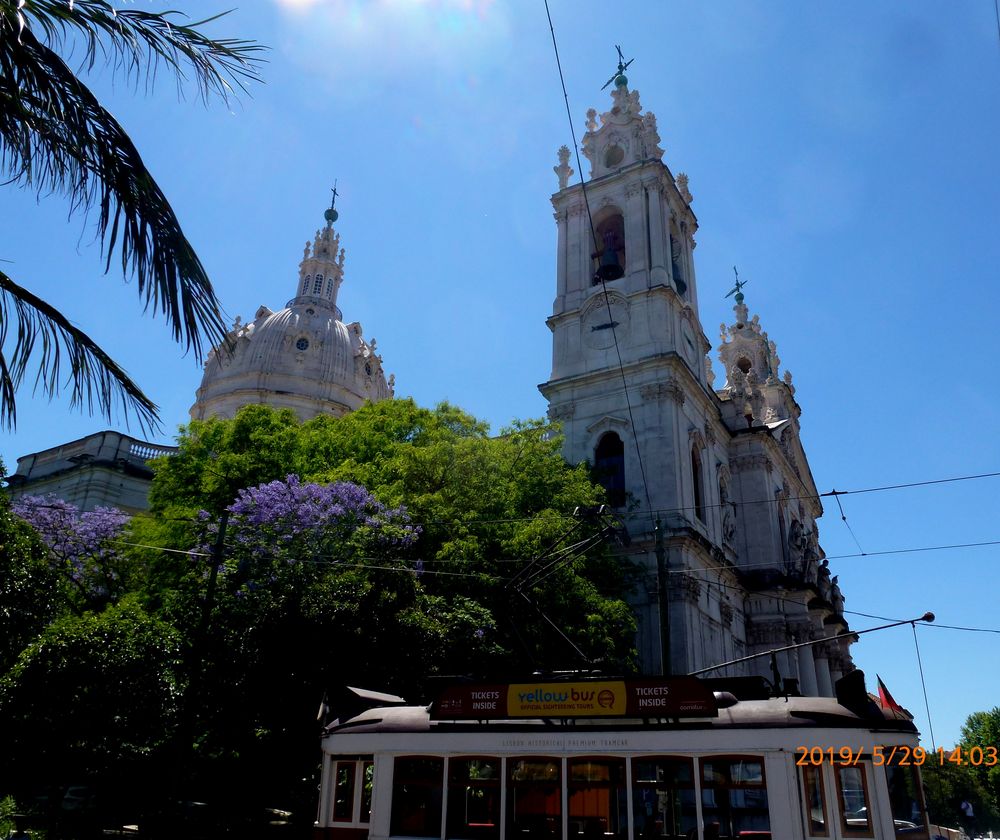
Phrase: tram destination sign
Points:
(671, 697)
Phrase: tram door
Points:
(597, 799)
(534, 798)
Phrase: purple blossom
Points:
(291, 521)
(81, 544)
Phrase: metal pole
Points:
(661, 599)
(928, 616)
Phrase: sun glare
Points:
(386, 36)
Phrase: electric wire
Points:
(655, 511)
(843, 518)
(161, 548)
(914, 550)
(487, 577)
(934, 625)
(996, 9)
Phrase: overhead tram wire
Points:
(843, 518)
(604, 288)
(640, 552)
(935, 624)
(409, 569)
(679, 509)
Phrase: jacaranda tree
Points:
(82, 548)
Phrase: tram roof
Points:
(774, 713)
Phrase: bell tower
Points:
(630, 379)
(713, 485)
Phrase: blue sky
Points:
(842, 155)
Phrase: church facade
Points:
(713, 483)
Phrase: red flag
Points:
(885, 698)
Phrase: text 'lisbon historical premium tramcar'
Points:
(616, 759)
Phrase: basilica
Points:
(712, 483)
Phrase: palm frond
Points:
(43, 334)
(138, 43)
(56, 137)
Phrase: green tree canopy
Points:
(91, 695)
(486, 506)
(30, 588)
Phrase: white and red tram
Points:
(619, 760)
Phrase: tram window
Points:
(352, 791)
(367, 783)
(534, 799)
(855, 808)
(343, 791)
(907, 800)
(417, 784)
(473, 799)
(598, 806)
(734, 796)
(815, 802)
(663, 798)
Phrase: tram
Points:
(620, 759)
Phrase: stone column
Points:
(658, 273)
(807, 672)
(635, 230)
(823, 679)
(577, 254)
(562, 220)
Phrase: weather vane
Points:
(622, 66)
(738, 288)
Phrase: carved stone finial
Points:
(591, 119)
(709, 373)
(651, 137)
(563, 170)
(682, 187)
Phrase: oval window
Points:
(613, 156)
(302, 344)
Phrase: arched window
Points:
(609, 233)
(318, 284)
(698, 482)
(677, 264)
(609, 467)
(305, 284)
(329, 286)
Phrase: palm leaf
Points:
(138, 42)
(56, 137)
(44, 332)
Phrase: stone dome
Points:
(302, 357)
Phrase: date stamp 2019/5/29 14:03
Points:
(898, 756)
